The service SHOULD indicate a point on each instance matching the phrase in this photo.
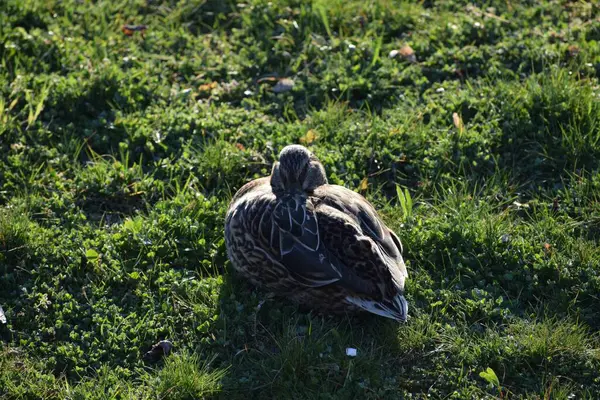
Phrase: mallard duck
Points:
(320, 245)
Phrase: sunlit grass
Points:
(119, 156)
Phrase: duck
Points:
(320, 245)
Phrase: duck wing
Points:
(295, 237)
(321, 245)
(368, 273)
(388, 246)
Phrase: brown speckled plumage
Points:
(320, 245)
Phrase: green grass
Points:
(119, 155)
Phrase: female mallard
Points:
(321, 245)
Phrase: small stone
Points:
(2, 316)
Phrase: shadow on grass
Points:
(278, 349)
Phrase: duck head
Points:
(297, 171)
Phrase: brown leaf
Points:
(573, 51)
(405, 52)
(128, 30)
(408, 53)
(266, 79)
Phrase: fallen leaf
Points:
(267, 79)
(408, 53)
(207, 87)
(573, 50)
(240, 146)
(284, 85)
(128, 30)
(364, 184)
(405, 52)
(310, 137)
(458, 124)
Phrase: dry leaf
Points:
(207, 87)
(573, 51)
(457, 120)
(128, 30)
(405, 52)
(266, 79)
(240, 146)
(364, 184)
(408, 53)
(310, 137)
(284, 85)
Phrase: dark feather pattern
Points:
(325, 247)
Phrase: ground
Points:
(475, 130)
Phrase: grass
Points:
(119, 155)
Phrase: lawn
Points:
(475, 130)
